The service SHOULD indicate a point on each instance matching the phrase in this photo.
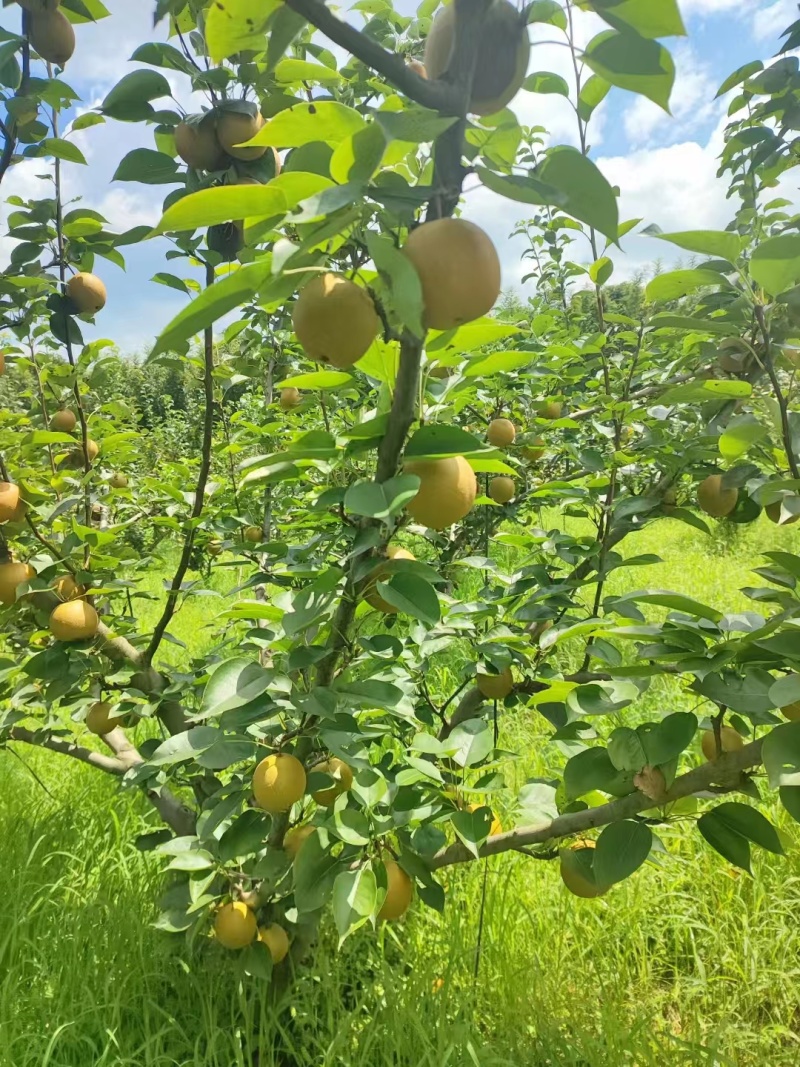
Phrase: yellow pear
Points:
(276, 939)
(9, 501)
(335, 320)
(74, 620)
(234, 128)
(197, 145)
(63, 421)
(503, 52)
(101, 720)
(495, 686)
(446, 493)
(399, 892)
(279, 781)
(502, 489)
(87, 293)
(459, 271)
(381, 573)
(501, 433)
(290, 398)
(342, 780)
(730, 739)
(52, 36)
(235, 925)
(714, 499)
(12, 575)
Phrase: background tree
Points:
(325, 751)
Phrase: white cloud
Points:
(770, 22)
(692, 103)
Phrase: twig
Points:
(200, 488)
(776, 386)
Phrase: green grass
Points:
(689, 963)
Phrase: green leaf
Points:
(414, 124)
(296, 71)
(301, 124)
(621, 849)
(625, 749)
(698, 392)
(593, 93)
(497, 363)
(775, 263)
(161, 54)
(411, 595)
(214, 302)
(748, 693)
(183, 746)
(543, 81)
(740, 75)
(145, 165)
(728, 842)
(786, 690)
(781, 755)
(750, 823)
(320, 379)
(355, 899)
(790, 798)
(357, 157)
(634, 63)
(666, 320)
(593, 769)
(223, 203)
(381, 500)
(472, 827)
(60, 149)
(315, 871)
(584, 192)
(664, 741)
(741, 433)
(245, 836)
(402, 285)
(601, 270)
(547, 11)
(677, 283)
(717, 243)
(661, 18)
(527, 190)
(129, 100)
(602, 698)
(237, 26)
(472, 741)
(234, 684)
(439, 440)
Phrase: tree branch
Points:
(199, 494)
(437, 95)
(68, 748)
(724, 772)
(783, 406)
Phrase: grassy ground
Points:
(691, 963)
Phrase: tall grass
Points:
(688, 963)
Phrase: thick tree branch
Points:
(199, 493)
(437, 95)
(180, 818)
(725, 773)
(68, 748)
(403, 409)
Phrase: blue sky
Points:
(664, 165)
